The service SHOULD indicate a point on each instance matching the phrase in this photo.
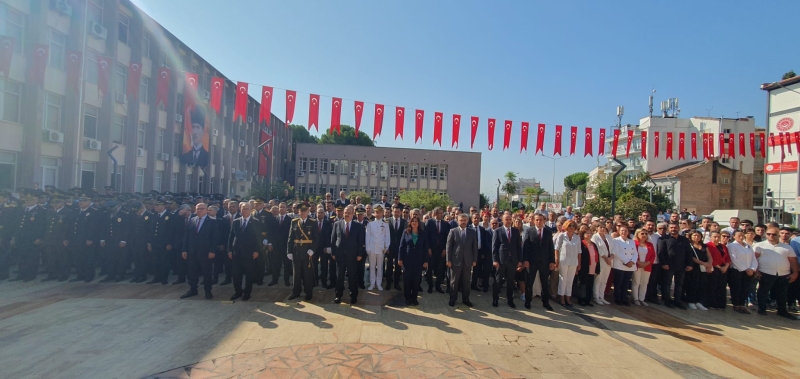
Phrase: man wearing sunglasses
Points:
(777, 264)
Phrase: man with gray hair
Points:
(461, 254)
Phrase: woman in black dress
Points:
(413, 258)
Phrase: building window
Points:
(90, 122)
(393, 169)
(121, 78)
(140, 134)
(49, 171)
(303, 166)
(146, 45)
(90, 68)
(173, 186)
(12, 24)
(87, 174)
(159, 140)
(363, 168)
(157, 180)
(118, 129)
(724, 200)
(414, 170)
(312, 166)
(373, 168)
(403, 170)
(345, 166)
(353, 168)
(334, 166)
(323, 163)
(188, 183)
(116, 178)
(96, 11)
(384, 170)
(179, 104)
(725, 181)
(143, 93)
(162, 59)
(138, 185)
(443, 172)
(177, 145)
(373, 193)
(312, 189)
(58, 49)
(434, 171)
(122, 30)
(52, 111)
(423, 171)
(10, 102)
(301, 189)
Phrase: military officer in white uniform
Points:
(377, 242)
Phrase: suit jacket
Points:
(269, 226)
(202, 158)
(178, 227)
(57, 226)
(437, 240)
(413, 255)
(504, 250)
(282, 232)
(32, 226)
(86, 226)
(396, 234)
(585, 260)
(485, 242)
(117, 227)
(202, 241)
(324, 234)
(348, 246)
(244, 242)
(462, 250)
(538, 251)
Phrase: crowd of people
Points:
(689, 261)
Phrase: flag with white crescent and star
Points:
(313, 111)
(694, 146)
(190, 91)
(630, 141)
(134, 79)
(601, 143)
(265, 113)
(437, 127)
(378, 123)
(507, 134)
(456, 130)
(615, 143)
(644, 144)
(557, 145)
(399, 120)
(762, 144)
(240, 106)
(419, 118)
(103, 73)
(587, 147)
(573, 139)
(732, 145)
(492, 123)
(682, 145)
(523, 145)
(656, 143)
(74, 61)
(742, 147)
(38, 63)
(358, 106)
(336, 115)
(473, 130)
(721, 144)
(540, 129)
(6, 54)
(162, 87)
(291, 100)
(217, 84)
(670, 146)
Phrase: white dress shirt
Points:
(774, 259)
(742, 256)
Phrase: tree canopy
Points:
(348, 137)
(300, 135)
(577, 181)
(788, 75)
(428, 198)
(510, 187)
(630, 198)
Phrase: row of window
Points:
(374, 192)
(325, 166)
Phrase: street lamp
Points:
(554, 159)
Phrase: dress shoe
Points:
(189, 294)
(511, 304)
(527, 305)
(430, 289)
(388, 286)
(680, 305)
(353, 300)
(236, 296)
(485, 289)
(287, 283)
(142, 279)
(154, 281)
(494, 303)
(117, 280)
(337, 300)
(415, 302)
(308, 297)
(26, 280)
(164, 282)
(215, 281)
(71, 280)
(88, 280)
(209, 295)
(246, 297)
(330, 286)
(787, 315)
(548, 307)
(260, 283)
(292, 297)
(452, 303)
(398, 288)
(360, 285)
(225, 282)
(179, 281)
(467, 303)
(408, 302)
(134, 280)
(439, 289)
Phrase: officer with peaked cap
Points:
(302, 242)
(55, 240)
(29, 235)
(82, 240)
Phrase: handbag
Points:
(702, 267)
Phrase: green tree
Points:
(634, 189)
(300, 135)
(597, 206)
(509, 187)
(632, 207)
(278, 190)
(365, 198)
(577, 181)
(533, 194)
(484, 200)
(790, 74)
(428, 198)
(348, 137)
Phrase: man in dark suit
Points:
(302, 243)
(55, 241)
(138, 240)
(506, 259)
(29, 236)
(118, 224)
(462, 250)
(244, 246)
(397, 225)
(224, 263)
(266, 233)
(198, 155)
(83, 241)
(347, 241)
(278, 257)
(437, 231)
(539, 257)
(483, 263)
(199, 249)
(322, 256)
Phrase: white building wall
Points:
(783, 103)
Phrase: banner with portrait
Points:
(196, 140)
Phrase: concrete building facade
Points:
(783, 116)
(378, 170)
(53, 136)
(705, 186)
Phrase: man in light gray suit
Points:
(462, 250)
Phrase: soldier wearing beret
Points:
(302, 242)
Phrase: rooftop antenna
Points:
(708, 112)
(620, 112)
(677, 110)
(664, 109)
(650, 102)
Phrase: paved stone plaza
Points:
(77, 330)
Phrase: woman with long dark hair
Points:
(413, 258)
(717, 285)
(695, 280)
(588, 267)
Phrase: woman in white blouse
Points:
(624, 264)
(568, 249)
(603, 241)
(743, 266)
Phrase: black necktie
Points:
(244, 224)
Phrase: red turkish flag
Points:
(336, 115)
(38, 63)
(190, 91)
(753, 145)
(456, 130)
(359, 108)
(796, 142)
(721, 144)
(630, 141)
(6, 54)
(732, 145)
(437, 127)
(265, 112)
(291, 100)
(762, 144)
(782, 140)
(103, 74)
(540, 139)
(378, 126)
(669, 145)
(601, 147)
(523, 144)
(474, 130)
(656, 143)
(705, 145)
(789, 142)
(557, 146)
(162, 88)
(644, 144)
(491, 133)
(217, 84)
(134, 79)
(313, 111)
(615, 144)
(399, 120)
(573, 139)
(240, 106)
(587, 146)
(694, 146)
(710, 145)
(507, 134)
(682, 146)
(419, 118)
(742, 149)
(74, 59)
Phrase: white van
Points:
(722, 216)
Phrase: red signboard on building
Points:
(777, 168)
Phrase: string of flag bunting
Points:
(726, 142)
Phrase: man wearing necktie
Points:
(437, 231)
(198, 155)
(397, 225)
(278, 257)
(322, 256)
(506, 259)
(347, 241)
(462, 250)
(244, 246)
(483, 266)
(199, 249)
(538, 258)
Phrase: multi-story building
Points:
(705, 186)
(783, 116)
(53, 135)
(379, 170)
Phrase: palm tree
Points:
(509, 187)
(533, 192)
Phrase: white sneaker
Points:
(691, 306)
(701, 307)
(645, 304)
(606, 302)
(599, 302)
(371, 287)
(380, 288)
(522, 297)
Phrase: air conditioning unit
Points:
(121, 98)
(301, 174)
(249, 119)
(383, 178)
(413, 180)
(214, 132)
(61, 6)
(352, 176)
(241, 142)
(99, 30)
(52, 136)
(164, 157)
(207, 95)
(178, 117)
(92, 144)
(140, 152)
